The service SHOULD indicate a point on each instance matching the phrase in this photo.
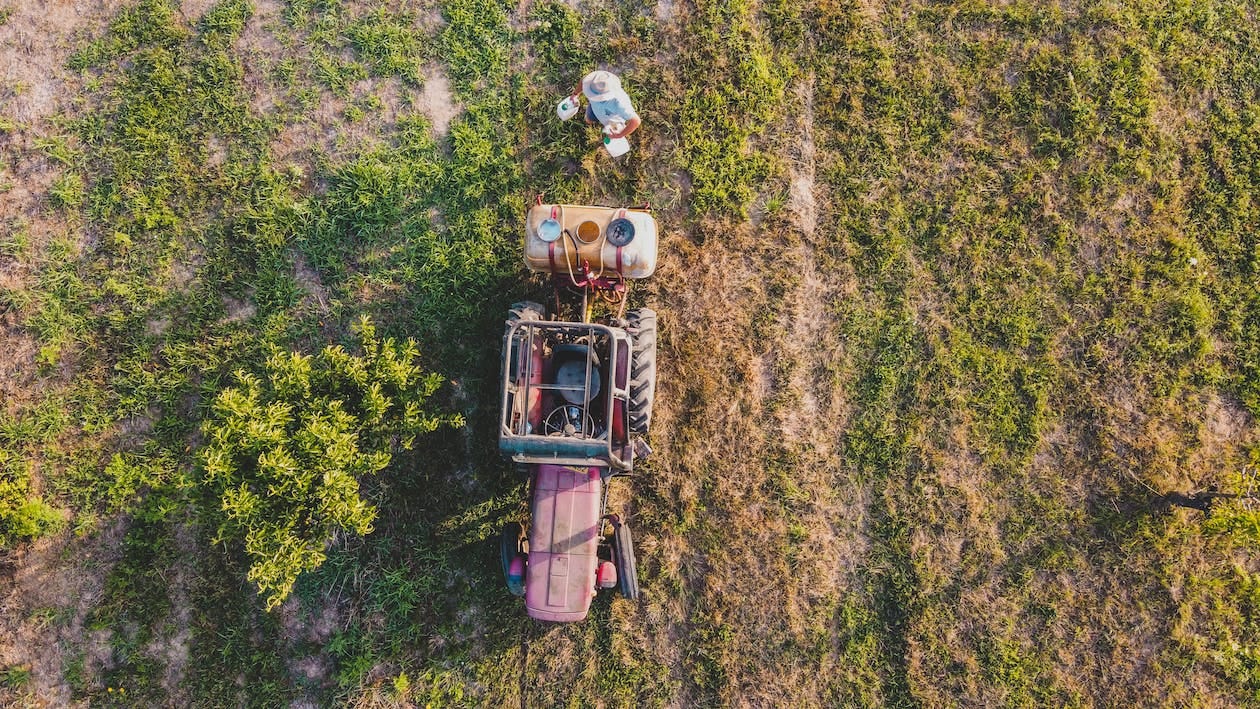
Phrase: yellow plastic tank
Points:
(561, 236)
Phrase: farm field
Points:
(959, 356)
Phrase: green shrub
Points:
(286, 451)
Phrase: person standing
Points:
(609, 105)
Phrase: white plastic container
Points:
(568, 107)
(616, 147)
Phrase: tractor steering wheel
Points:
(568, 421)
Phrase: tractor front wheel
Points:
(623, 557)
(511, 556)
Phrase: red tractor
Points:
(576, 404)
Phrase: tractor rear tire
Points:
(510, 548)
(641, 324)
(627, 565)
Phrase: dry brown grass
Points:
(49, 593)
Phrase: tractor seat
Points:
(570, 362)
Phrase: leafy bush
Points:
(286, 451)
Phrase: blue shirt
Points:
(616, 106)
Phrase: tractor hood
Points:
(563, 542)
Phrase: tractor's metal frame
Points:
(611, 447)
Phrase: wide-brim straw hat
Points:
(599, 85)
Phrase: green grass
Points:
(910, 450)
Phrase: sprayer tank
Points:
(583, 234)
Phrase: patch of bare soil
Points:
(17, 366)
(310, 283)
(34, 46)
(35, 43)
(45, 600)
(46, 589)
(260, 45)
(193, 10)
(430, 18)
(172, 646)
(300, 627)
(324, 129)
(436, 100)
(239, 310)
(801, 191)
(1224, 421)
(258, 42)
(307, 134)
